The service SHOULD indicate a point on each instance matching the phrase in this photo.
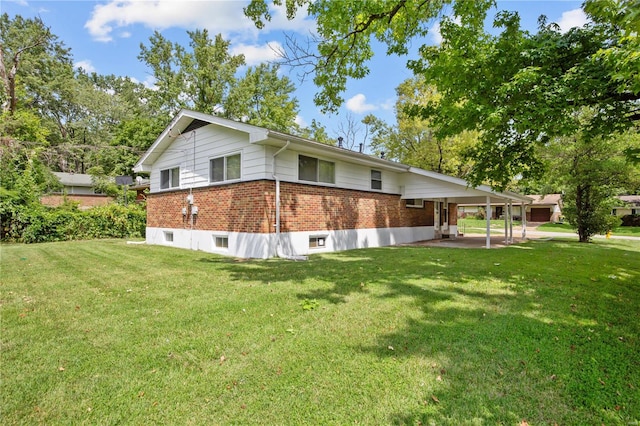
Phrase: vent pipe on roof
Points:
(382, 155)
(340, 139)
(361, 147)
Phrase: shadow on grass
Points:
(543, 332)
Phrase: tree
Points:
(518, 89)
(263, 98)
(204, 78)
(27, 46)
(413, 140)
(591, 172)
(344, 31)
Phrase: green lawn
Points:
(475, 226)
(629, 231)
(101, 332)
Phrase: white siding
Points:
(210, 142)
(348, 175)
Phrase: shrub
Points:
(35, 223)
(631, 220)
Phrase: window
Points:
(168, 237)
(376, 179)
(170, 178)
(317, 241)
(221, 242)
(224, 168)
(415, 202)
(614, 212)
(635, 211)
(315, 170)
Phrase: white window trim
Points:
(414, 206)
(171, 188)
(372, 180)
(225, 156)
(168, 237)
(317, 181)
(216, 247)
(318, 237)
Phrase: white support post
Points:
(488, 214)
(510, 222)
(505, 212)
(523, 213)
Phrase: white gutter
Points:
(277, 225)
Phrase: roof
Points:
(631, 199)
(455, 188)
(548, 199)
(74, 179)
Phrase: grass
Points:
(629, 231)
(475, 226)
(109, 333)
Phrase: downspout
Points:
(278, 253)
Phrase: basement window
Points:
(221, 242)
(317, 241)
(168, 236)
(416, 203)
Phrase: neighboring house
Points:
(142, 188)
(229, 187)
(77, 187)
(630, 204)
(543, 208)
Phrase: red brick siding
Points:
(238, 207)
(249, 207)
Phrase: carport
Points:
(444, 190)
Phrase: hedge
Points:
(37, 223)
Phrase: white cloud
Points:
(85, 65)
(300, 121)
(225, 17)
(359, 105)
(434, 31)
(572, 18)
(218, 16)
(255, 54)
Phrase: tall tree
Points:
(205, 78)
(519, 89)
(591, 172)
(414, 140)
(263, 98)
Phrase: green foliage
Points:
(36, 223)
(414, 141)
(23, 125)
(309, 304)
(517, 89)
(591, 172)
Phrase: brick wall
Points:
(249, 207)
(238, 207)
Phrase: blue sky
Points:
(105, 37)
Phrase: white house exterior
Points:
(228, 187)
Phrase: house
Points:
(77, 187)
(629, 205)
(543, 208)
(229, 187)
